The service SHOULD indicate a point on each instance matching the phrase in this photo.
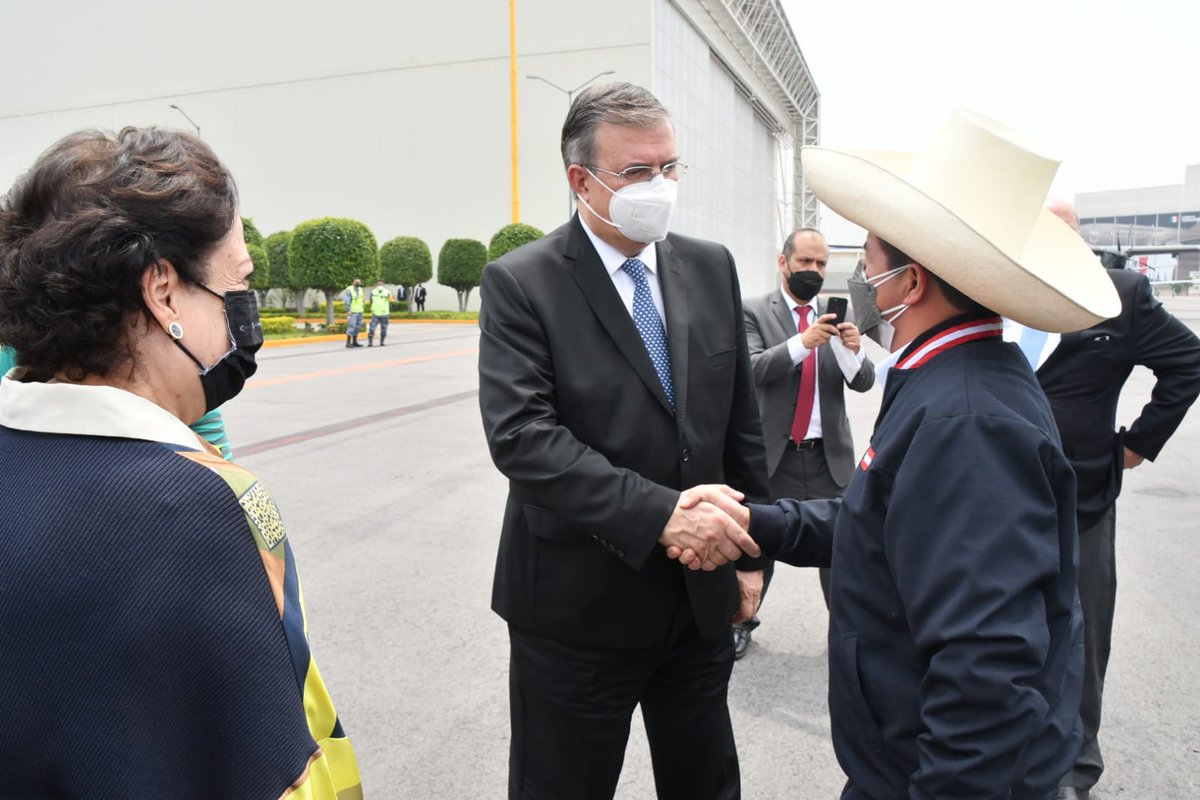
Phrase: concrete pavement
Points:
(377, 460)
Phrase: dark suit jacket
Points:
(769, 324)
(1083, 378)
(576, 419)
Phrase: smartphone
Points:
(837, 305)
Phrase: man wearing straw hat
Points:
(955, 636)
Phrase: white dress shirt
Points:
(1013, 331)
(612, 258)
(799, 352)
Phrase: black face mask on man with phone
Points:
(805, 284)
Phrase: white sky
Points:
(1112, 87)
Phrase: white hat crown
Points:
(969, 208)
(976, 165)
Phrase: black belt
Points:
(807, 444)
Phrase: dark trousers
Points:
(803, 475)
(571, 707)
(1098, 596)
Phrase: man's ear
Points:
(921, 280)
(577, 178)
(161, 288)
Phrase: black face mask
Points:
(805, 284)
(224, 380)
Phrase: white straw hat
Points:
(969, 207)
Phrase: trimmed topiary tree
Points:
(327, 254)
(250, 232)
(406, 261)
(260, 281)
(281, 271)
(460, 265)
(510, 237)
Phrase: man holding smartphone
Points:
(799, 379)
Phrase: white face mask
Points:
(641, 211)
(886, 330)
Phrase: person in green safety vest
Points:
(353, 298)
(381, 300)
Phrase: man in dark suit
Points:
(613, 374)
(1082, 374)
(799, 380)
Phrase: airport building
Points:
(400, 114)
(1151, 215)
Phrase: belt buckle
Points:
(806, 444)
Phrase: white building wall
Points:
(731, 194)
(396, 114)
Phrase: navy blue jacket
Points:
(955, 637)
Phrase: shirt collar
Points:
(80, 410)
(612, 258)
(793, 305)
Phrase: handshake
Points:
(708, 528)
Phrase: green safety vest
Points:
(356, 301)
(379, 302)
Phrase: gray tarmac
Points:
(377, 460)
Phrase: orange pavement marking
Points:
(330, 373)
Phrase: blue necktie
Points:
(1031, 343)
(650, 326)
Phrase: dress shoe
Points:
(741, 642)
(1070, 793)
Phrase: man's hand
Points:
(820, 332)
(702, 533)
(750, 586)
(850, 336)
(724, 498)
(1132, 459)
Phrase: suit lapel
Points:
(671, 270)
(783, 317)
(594, 282)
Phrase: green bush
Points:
(277, 253)
(510, 237)
(250, 232)
(460, 265)
(278, 325)
(261, 277)
(405, 261)
(329, 253)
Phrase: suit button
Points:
(620, 553)
(686, 454)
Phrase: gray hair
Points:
(614, 103)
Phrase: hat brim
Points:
(1055, 283)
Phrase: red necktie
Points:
(808, 386)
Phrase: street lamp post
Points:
(185, 116)
(570, 93)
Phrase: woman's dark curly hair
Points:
(78, 230)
